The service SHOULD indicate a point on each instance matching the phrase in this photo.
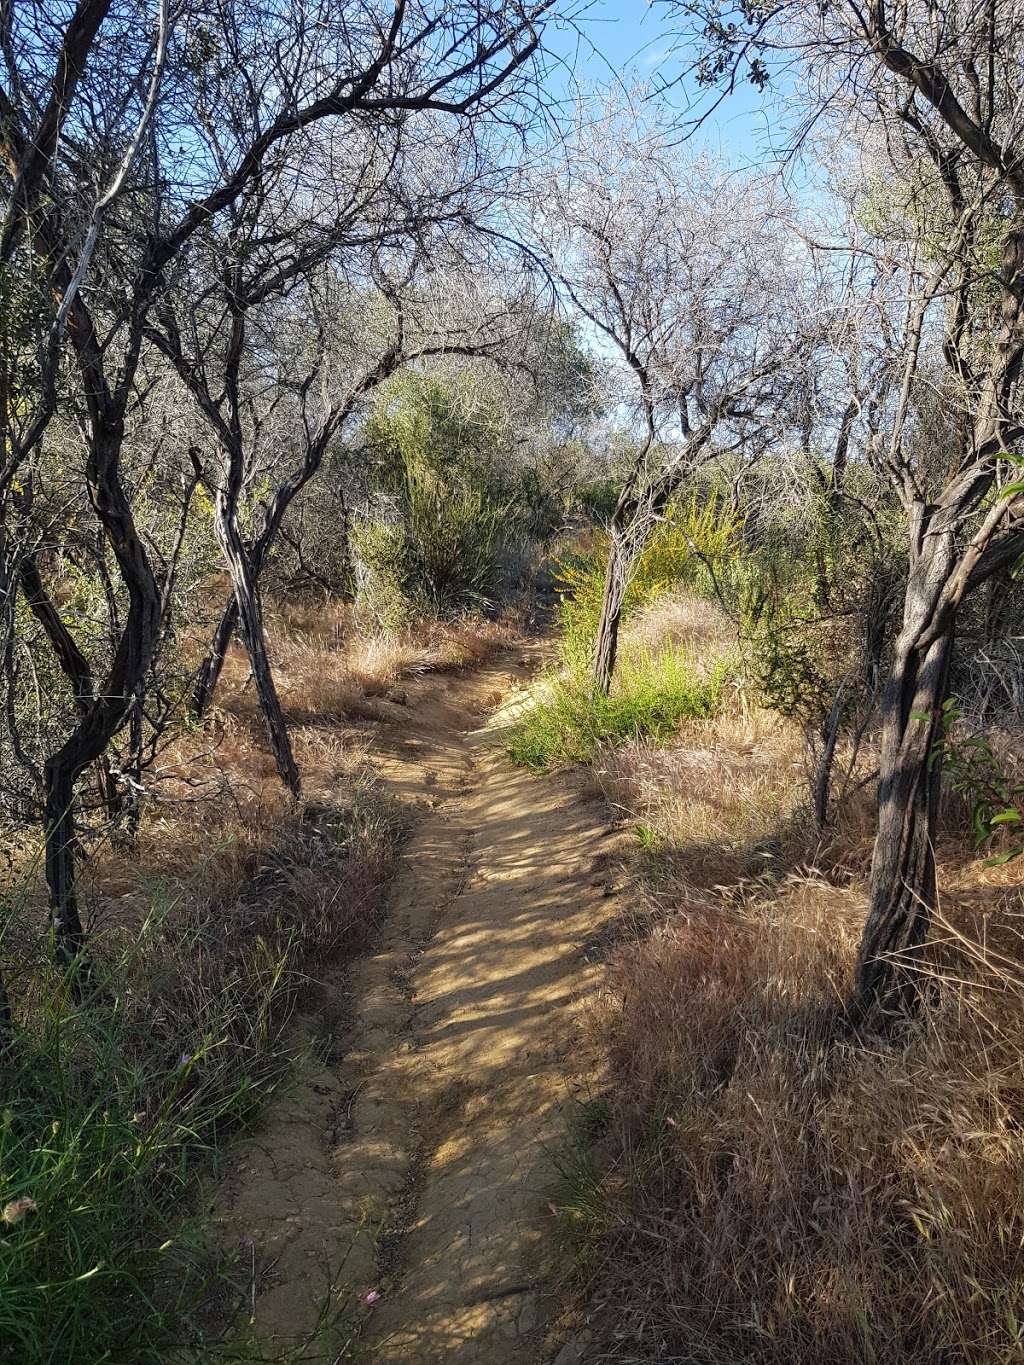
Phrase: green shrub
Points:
(455, 534)
(434, 445)
(817, 591)
(993, 794)
(793, 667)
(450, 428)
(384, 573)
(596, 499)
(440, 560)
(691, 536)
(652, 695)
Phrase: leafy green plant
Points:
(440, 560)
(974, 771)
(693, 535)
(99, 1140)
(792, 668)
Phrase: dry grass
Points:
(692, 623)
(757, 1185)
(218, 915)
(221, 839)
(328, 668)
(771, 1192)
(207, 932)
(216, 817)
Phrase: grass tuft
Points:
(653, 693)
(105, 1123)
(206, 935)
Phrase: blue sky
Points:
(628, 40)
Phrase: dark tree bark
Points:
(108, 710)
(616, 585)
(33, 149)
(209, 672)
(888, 978)
(74, 665)
(246, 598)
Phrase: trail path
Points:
(413, 1162)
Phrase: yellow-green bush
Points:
(692, 536)
(440, 559)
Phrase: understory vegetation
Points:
(347, 341)
(208, 929)
(660, 682)
(750, 1181)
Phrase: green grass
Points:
(651, 695)
(576, 1194)
(104, 1129)
(112, 1110)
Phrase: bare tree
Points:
(266, 81)
(680, 270)
(381, 204)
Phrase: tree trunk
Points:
(250, 627)
(74, 665)
(829, 739)
(6, 1019)
(210, 669)
(108, 709)
(888, 979)
(59, 819)
(616, 583)
(640, 506)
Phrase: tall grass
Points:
(113, 1107)
(107, 1115)
(774, 1191)
(753, 1183)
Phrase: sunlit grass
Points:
(652, 693)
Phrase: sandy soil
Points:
(409, 1165)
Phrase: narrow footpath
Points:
(397, 1197)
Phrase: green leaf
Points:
(1006, 817)
(1000, 858)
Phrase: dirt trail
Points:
(413, 1161)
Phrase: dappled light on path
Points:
(460, 1059)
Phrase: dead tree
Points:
(678, 267)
